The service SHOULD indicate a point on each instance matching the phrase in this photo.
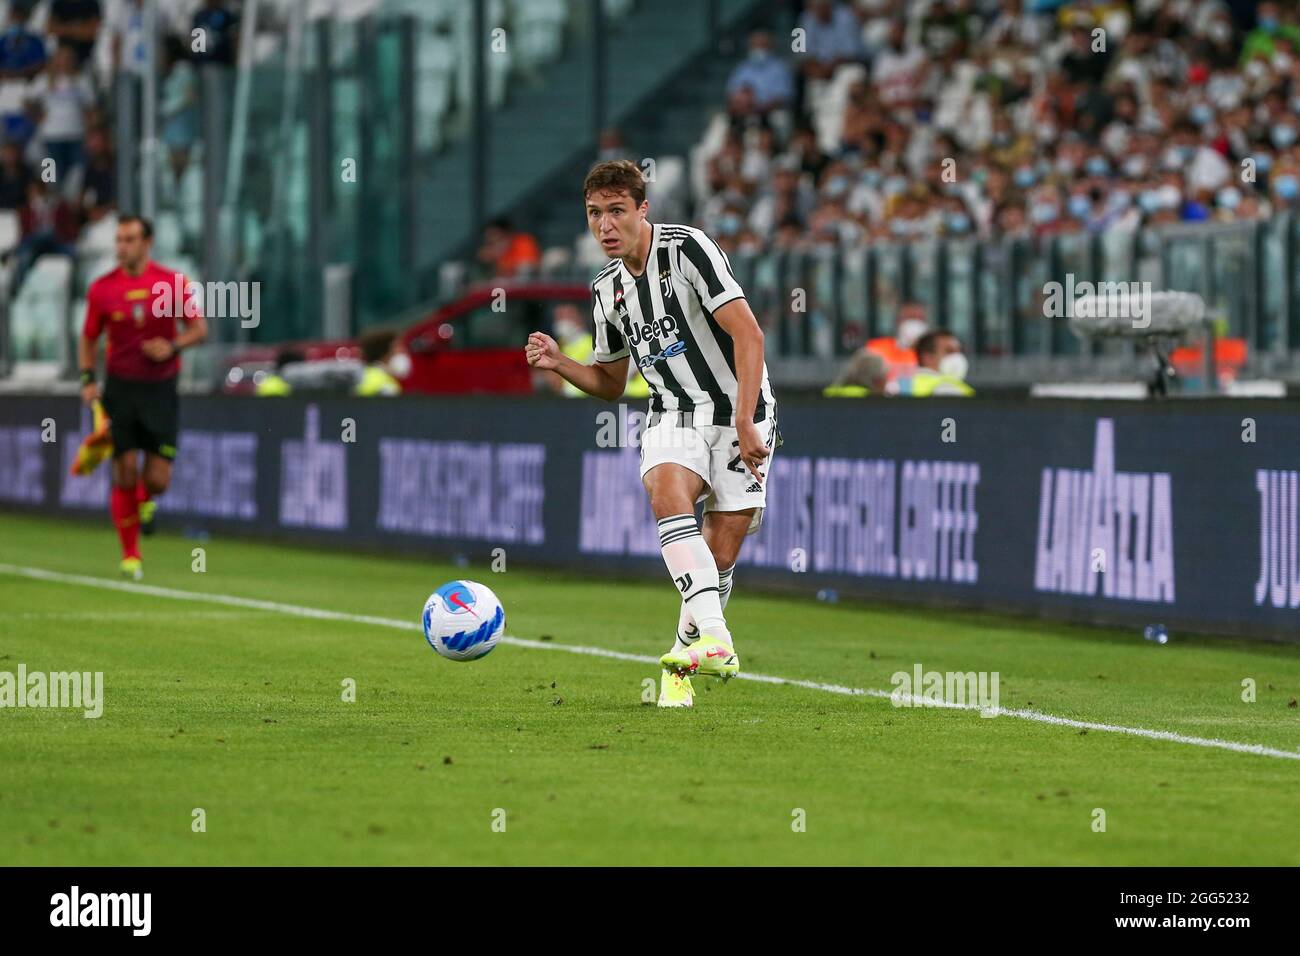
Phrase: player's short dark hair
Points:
(146, 226)
(375, 344)
(928, 343)
(615, 176)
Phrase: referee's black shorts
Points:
(144, 415)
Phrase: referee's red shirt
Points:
(136, 308)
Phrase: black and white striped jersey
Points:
(663, 319)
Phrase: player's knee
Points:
(157, 484)
(724, 556)
(665, 505)
(125, 474)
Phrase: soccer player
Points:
(668, 297)
(138, 305)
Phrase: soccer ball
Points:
(463, 620)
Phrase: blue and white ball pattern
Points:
(463, 620)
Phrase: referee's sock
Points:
(123, 506)
(691, 564)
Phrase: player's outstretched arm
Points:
(605, 380)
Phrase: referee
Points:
(137, 305)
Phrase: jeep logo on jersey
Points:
(645, 361)
(658, 329)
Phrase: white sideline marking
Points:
(296, 610)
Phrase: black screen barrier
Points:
(1183, 513)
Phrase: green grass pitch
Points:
(239, 712)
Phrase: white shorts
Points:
(713, 453)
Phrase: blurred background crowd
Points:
(909, 164)
(900, 120)
(58, 60)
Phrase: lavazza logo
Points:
(75, 908)
(1107, 530)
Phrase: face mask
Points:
(400, 365)
(1135, 167)
(1025, 177)
(895, 185)
(1043, 212)
(1288, 187)
(871, 177)
(958, 222)
(1169, 197)
(1148, 200)
(1267, 24)
(1001, 138)
(1173, 158)
(1097, 166)
(898, 227)
(729, 225)
(1263, 162)
(1066, 167)
(1229, 197)
(1220, 32)
(954, 365)
(1295, 104)
(1200, 114)
(759, 54)
(1080, 207)
(837, 186)
(1119, 200)
(909, 330)
(1282, 136)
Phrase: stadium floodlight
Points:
(1155, 319)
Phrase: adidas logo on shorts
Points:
(755, 486)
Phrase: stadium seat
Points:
(167, 235)
(616, 9)
(556, 261)
(669, 190)
(98, 237)
(10, 229)
(39, 313)
(587, 253)
(190, 198)
(91, 268)
(538, 27)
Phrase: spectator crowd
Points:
(892, 120)
(58, 60)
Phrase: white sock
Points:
(691, 564)
(687, 632)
